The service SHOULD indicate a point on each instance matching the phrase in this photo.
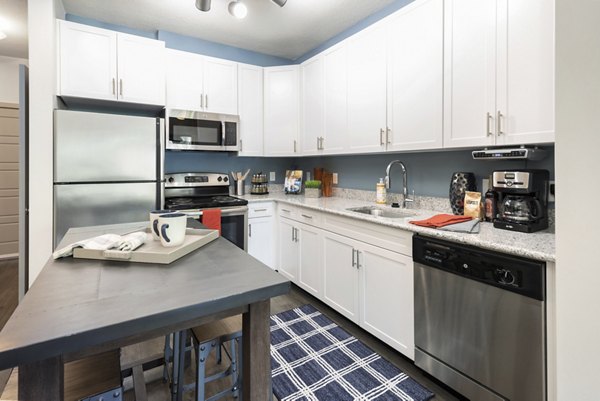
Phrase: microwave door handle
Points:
(223, 133)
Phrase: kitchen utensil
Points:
(239, 188)
(234, 176)
(245, 174)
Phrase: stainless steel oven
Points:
(196, 130)
(234, 224)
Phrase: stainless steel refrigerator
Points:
(107, 169)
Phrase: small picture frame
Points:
(293, 182)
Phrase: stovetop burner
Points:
(203, 202)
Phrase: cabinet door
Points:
(261, 240)
(313, 110)
(250, 103)
(220, 86)
(88, 61)
(288, 250)
(415, 72)
(336, 100)
(141, 69)
(386, 294)
(340, 286)
(367, 85)
(184, 80)
(525, 71)
(310, 272)
(282, 111)
(470, 72)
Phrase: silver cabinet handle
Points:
(201, 101)
(249, 230)
(206, 102)
(318, 143)
(488, 125)
(322, 141)
(293, 234)
(294, 146)
(499, 123)
(306, 216)
(381, 137)
(114, 81)
(387, 135)
(285, 210)
(241, 145)
(357, 259)
(260, 210)
(353, 257)
(121, 87)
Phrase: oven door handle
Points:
(229, 211)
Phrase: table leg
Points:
(256, 359)
(42, 380)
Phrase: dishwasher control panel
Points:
(516, 274)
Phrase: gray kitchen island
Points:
(79, 307)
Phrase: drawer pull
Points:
(260, 210)
(306, 216)
(286, 210)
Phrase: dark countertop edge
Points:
(77, 342)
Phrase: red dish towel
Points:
(441, 220)
(211, 218)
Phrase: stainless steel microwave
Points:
(197, 130)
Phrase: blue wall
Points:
(428, 172)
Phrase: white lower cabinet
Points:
(386, 296)
(260, 240)
(288, 249)
(341, 276)
(310, 266)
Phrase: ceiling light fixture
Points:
(2, 35)
(280, 3)
(203, 5)
(238, 9)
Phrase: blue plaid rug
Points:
(312, 358)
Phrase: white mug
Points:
(172, 229)
(154, 215)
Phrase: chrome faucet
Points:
(388, 181)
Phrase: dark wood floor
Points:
(159, 391)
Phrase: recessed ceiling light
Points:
(203, 5)
(2, 35)
(238, 9)
(280, 3)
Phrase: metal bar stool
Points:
(221, 335)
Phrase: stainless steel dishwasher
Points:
(480, 320)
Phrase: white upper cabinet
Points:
(282, 110)
(525, 71)
(88, 61)
(141, 69)
(313, 110)
(250, 105)
(200, 83)
(367, 86)
(220, 86)
(415, 77)
(470, 73)
(499, 72)
(184, 80)
(336, 99)
(101, 64)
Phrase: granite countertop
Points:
(538, 246)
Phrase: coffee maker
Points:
(522, 200)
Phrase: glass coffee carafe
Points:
(520, 208)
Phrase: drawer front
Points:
(393, 239)
(261, 209)
(285, 210)
(309, 216)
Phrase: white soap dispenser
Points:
(381, 192)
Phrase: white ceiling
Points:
(289, 31)
(13, 22)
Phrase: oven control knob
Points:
(171, 179)
(504, 276)
(220, 179)
(226, 179)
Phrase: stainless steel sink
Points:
(380, 212)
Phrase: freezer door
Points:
(90, 147)
(81, 205)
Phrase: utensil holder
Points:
(240, 188)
